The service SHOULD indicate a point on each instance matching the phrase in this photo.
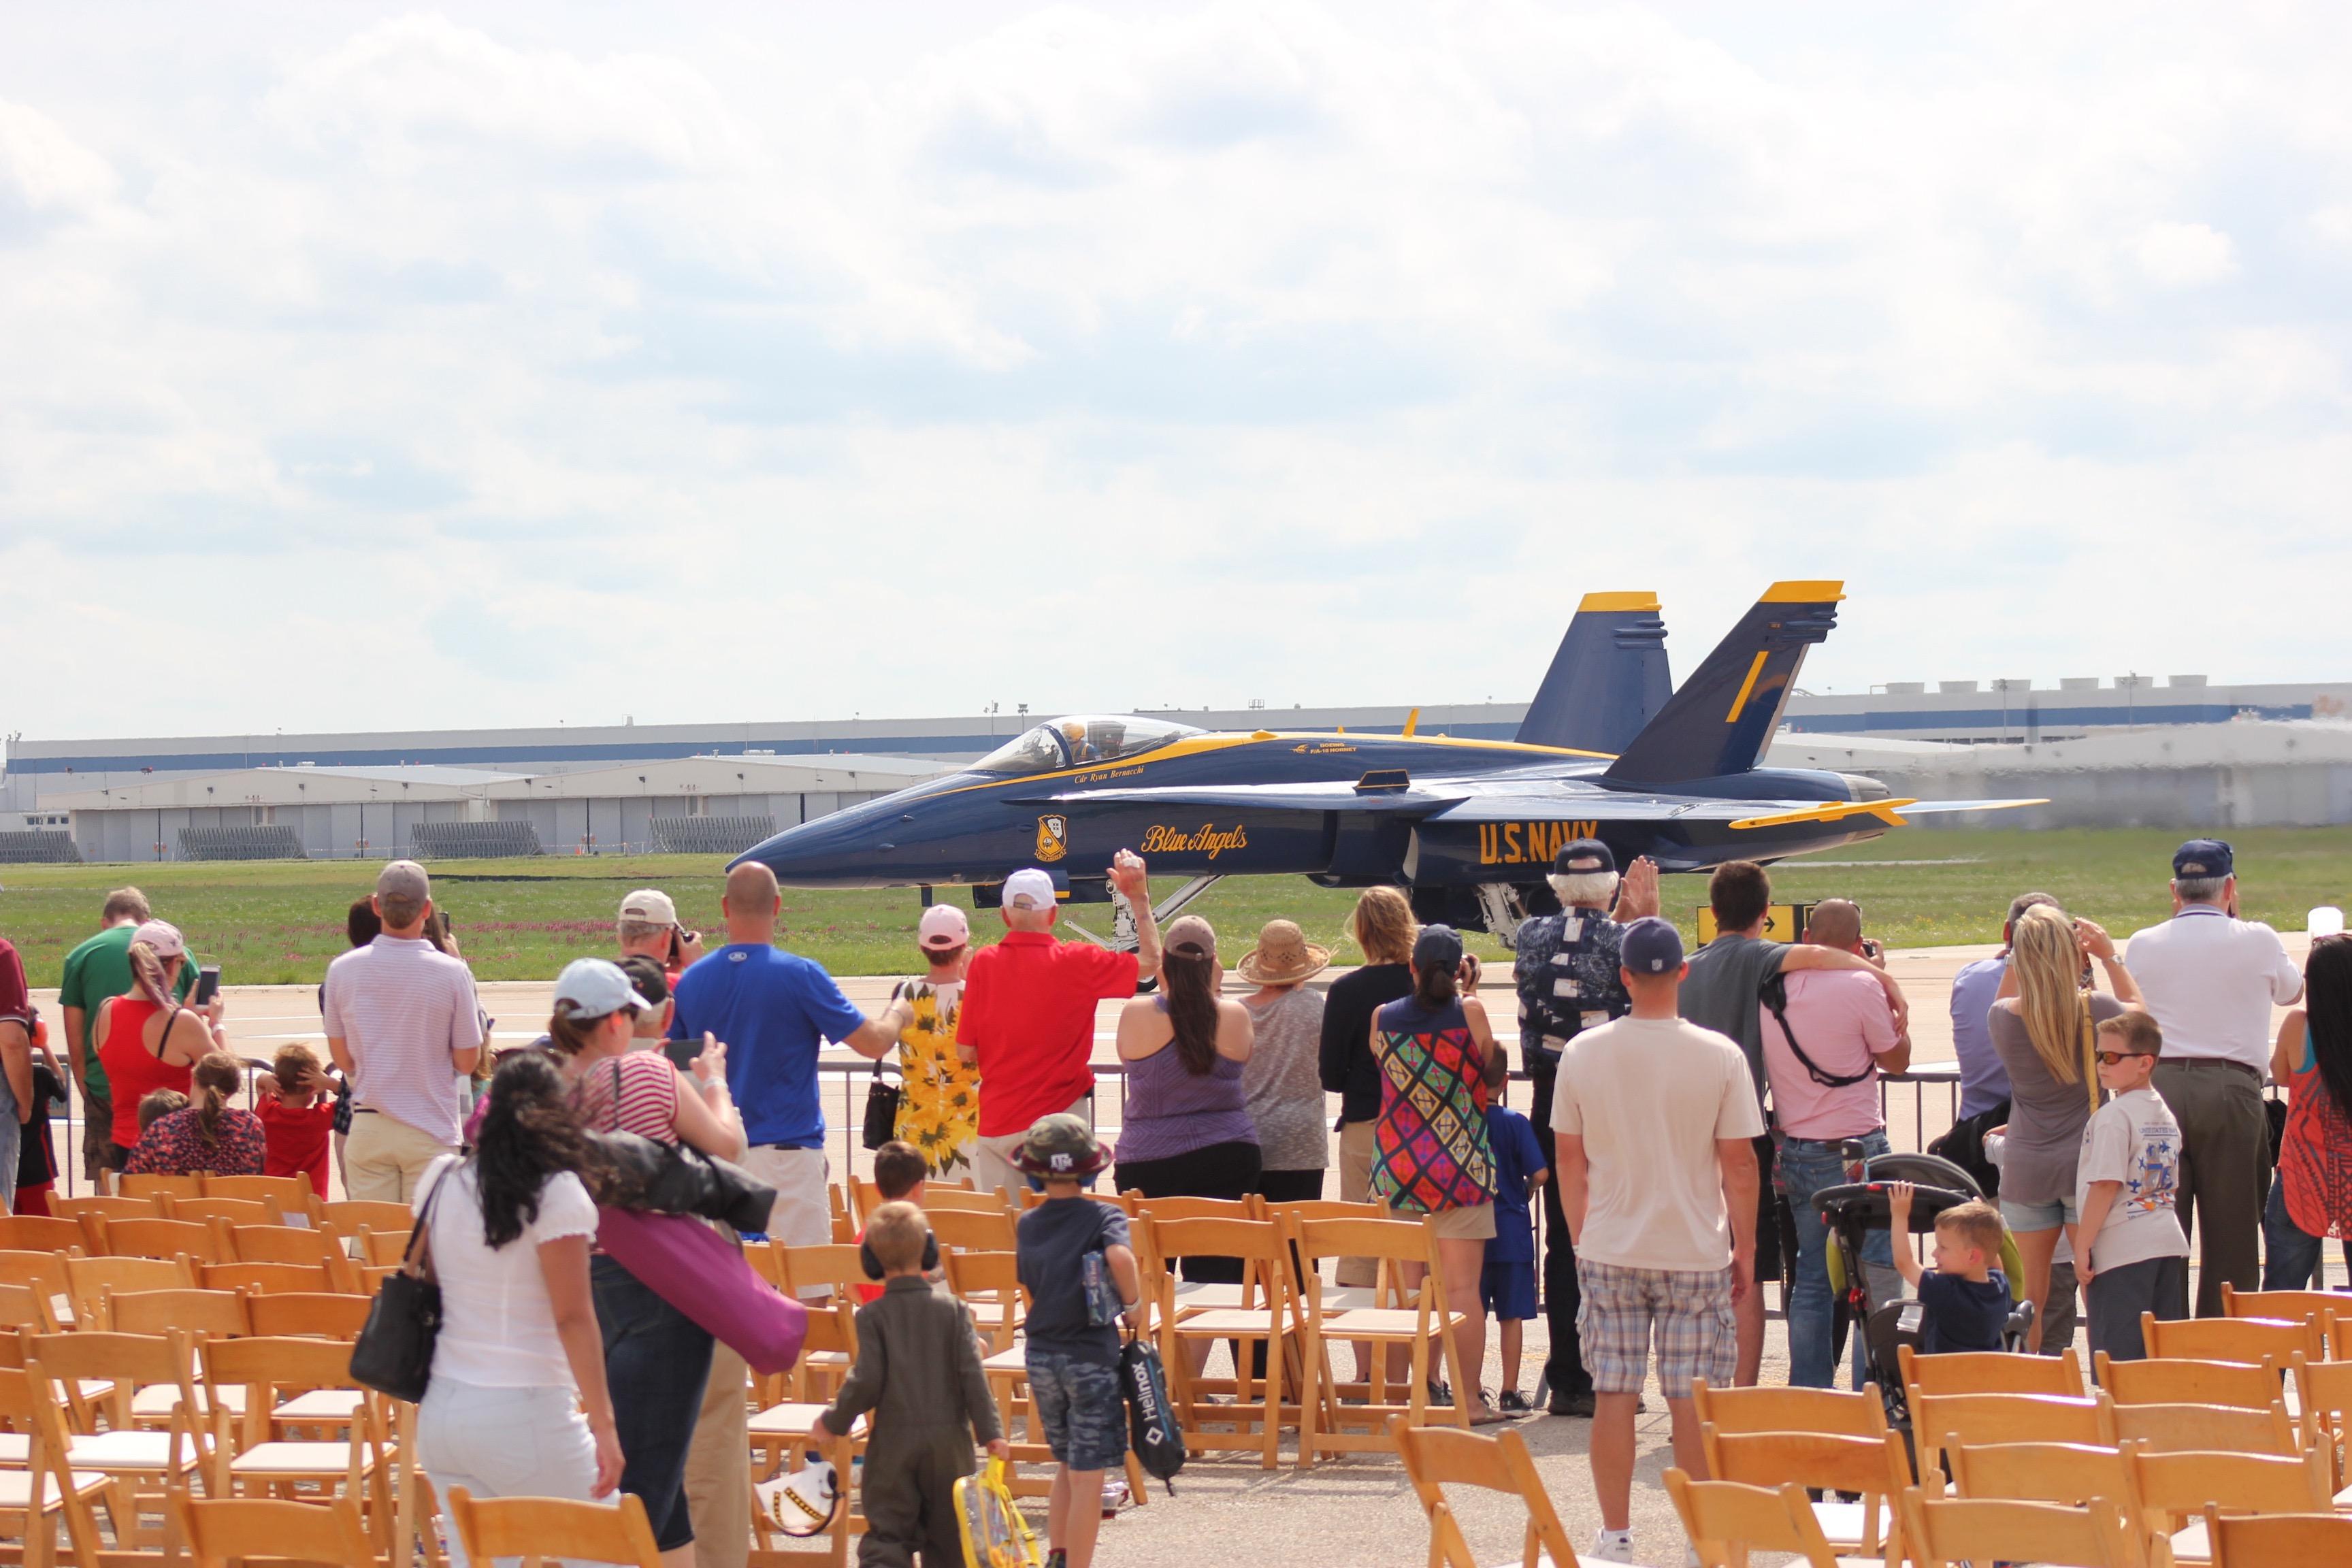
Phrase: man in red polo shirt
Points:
(1028, 1016)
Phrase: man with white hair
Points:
(1567, 982)
(1028, 1016)
(2211, 979)
(649, 926)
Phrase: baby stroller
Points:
(1851, 1212)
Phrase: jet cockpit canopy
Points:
(1079, 741)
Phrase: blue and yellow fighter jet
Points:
(1469, 826)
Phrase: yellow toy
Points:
(994, 1533)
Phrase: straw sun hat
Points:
(1281, 956)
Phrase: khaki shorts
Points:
(1356, 1187)
(384, 1157)
(1475, 1223)
(993, 1169)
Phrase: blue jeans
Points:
(2290, 1253)
(657, 1363)
(1806, 1168)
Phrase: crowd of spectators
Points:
(1688, 1107)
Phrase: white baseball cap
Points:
(943, 927)
(595, 987)
(1029, 889)
(649, 906)
(163, 937)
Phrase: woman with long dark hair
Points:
(2311, 1199)
(1439, 1063)
(657, 1358)
(1186, 1129)
(517, 1405)
(211, 1137)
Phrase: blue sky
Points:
(391, 368)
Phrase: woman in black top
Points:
(1383, 928)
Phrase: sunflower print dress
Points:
(938, 1102)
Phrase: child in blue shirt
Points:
(1506, 1284)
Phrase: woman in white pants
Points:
(518, 1406)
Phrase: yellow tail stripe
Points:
(1746, 688)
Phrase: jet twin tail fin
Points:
(1721, 718)
(1607, 679)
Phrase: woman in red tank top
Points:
(146, 1040)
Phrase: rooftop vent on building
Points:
(1907, 689)
(2185, 680)
(1950, 687)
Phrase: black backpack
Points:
(1151, 1424)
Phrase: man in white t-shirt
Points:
(2211, 979)
(1654, 1120)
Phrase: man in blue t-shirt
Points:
(775, 1010)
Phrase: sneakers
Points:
(1576, 1404)
(1514, 1402)
(1612, 1546)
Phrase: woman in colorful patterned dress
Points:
(939, 1090)
(2312, 1198)
(1439, 1063)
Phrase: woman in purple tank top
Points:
(1186, 1131)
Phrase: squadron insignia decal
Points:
(1053, 838)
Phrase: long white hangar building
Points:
(690, 805)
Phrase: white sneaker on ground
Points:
(1612, 1546)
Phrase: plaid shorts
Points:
(1690, 1309)
(1080, 1405)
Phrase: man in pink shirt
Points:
(1828, 1034)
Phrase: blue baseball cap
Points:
(1437, 947)
(2202, 860)
(1651, 946)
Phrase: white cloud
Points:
(1278, 334)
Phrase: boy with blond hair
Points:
(918, 1372)
(2135, 1256)
(1964, 1299)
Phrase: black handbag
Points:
(881, 1109)
(654, 1177)
(393, 1353)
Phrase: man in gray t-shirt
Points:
(1720, 992)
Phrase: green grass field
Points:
(278, 923)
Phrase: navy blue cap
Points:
(1651, 946)
(1582, 858)
(2202, 860)
(1437, 947)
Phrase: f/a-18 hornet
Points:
(1608, 750)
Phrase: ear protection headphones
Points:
(873, 1265)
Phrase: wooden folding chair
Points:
(1436, 1457)
(1198, 1295)
(972, 1230)
(344, 1219)
(87, 1278)
(304, 1382)
(2322, 1393)
(147, 1187)
(940, 1199)
(291, 1244)
(2180, 1381)
(377, 1248)
(1412, 1318)
(2279, 1540)
(1992, 1372)
(1942, 1421)
(295, 1314)
(1969, 1530)
(1829, 1410)
(231, 1211)
(845, 1227)
(832, 1271)
(165, 1238)
(2194, 1428)
(2068, 1473)
(225, 1530)
(990, 1284)
(2285, 1306)
(1264, 1317)
(1875, 1469)
(1725, 1522)
(205, 1313)
(37, 1489)
(84, 1211)
(270, 1279)
(536, 1528)
(33, 1233)
(2177, 1489)
(2247, 1339)
(43, 1273)
(292, 1196)
(143, 1466)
